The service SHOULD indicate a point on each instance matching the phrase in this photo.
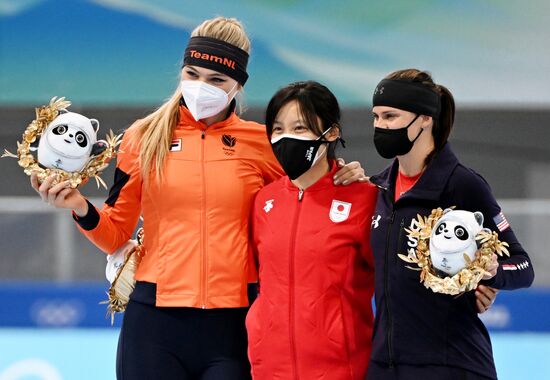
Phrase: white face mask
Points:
(204, 100)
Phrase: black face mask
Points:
(296, 156)
(394, 142)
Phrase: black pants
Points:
(182, 343)
(378, 371)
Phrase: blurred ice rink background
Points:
(116, 60)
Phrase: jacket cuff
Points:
(493, 281)
(89, 221)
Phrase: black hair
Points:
(317, 104)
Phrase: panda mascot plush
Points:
(69, 142)
(454, 236)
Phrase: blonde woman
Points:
(192, 169)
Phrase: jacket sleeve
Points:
(515, 271)
(114, 224)
(370, 194)
(253, 263)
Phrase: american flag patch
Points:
(175, 145)
(501, 222)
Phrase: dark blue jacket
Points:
(414, 325)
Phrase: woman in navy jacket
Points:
(419, 334)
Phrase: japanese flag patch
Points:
(339, 211)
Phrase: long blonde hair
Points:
(157, 128)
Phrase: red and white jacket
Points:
(313, 317)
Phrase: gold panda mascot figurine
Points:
(453, 238)
(452, 251)
(67, 146)
(69, 142)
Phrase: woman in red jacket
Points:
(313, 318)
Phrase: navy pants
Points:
(182, 343)
(378, 371)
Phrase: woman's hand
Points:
(492, 270)
(60, 195)
(349, 173)
(485, 297)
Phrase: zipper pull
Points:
(300, 195)
(392, 216)
(203, 133)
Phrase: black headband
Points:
(408, 96)
(217, 55)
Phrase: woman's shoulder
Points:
(361, 194)
(135, 126)
(131, 136)
(250, 123)
(275, 186)
(252, 127)
(252, 134)
(269, 191)
(360, 188)
(469, 189)
(359, 198)
(467, 179)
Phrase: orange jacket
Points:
(313, 317)
(196, 221)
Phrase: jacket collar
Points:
(322, 183)
(187, 121)
(432, 182)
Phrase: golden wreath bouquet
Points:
(453, 251)
(120, 270)
(68, 146)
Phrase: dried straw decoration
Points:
(465, 280)
(44, 116)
